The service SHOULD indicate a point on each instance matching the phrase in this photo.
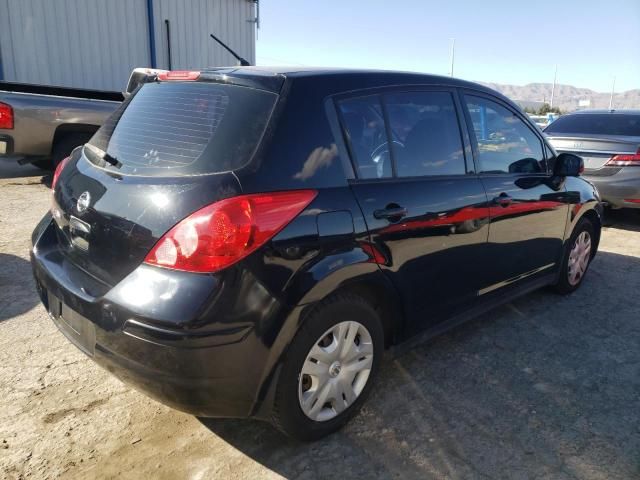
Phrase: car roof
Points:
(604, 111)
(394, 77)
(306, 71)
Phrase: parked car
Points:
(609, 143)
(41, 124)
(246, 242)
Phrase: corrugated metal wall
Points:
(191, 22)
(75, 43)
(96, 43)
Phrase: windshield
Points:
(182, 128)
(627, 125)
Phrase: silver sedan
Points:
(609, 143)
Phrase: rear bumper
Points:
(8, 151)
(6, 145)
(616, 190)
(216, 369)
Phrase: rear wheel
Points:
(577, 257)
(329, 369)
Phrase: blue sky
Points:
(513, 42)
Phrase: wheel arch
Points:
(594, 217)
(365, 279)
(65, 129)
(385, 299)
(592, 211)
(585, 203)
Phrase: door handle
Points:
(503, 200)
(390, 213)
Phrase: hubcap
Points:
(579, 258)
(335, 371)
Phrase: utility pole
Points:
(453, 53)
(613, 89)
(553, 88)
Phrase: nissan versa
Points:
(246, 242)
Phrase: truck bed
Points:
(49, 121)
(61, 91)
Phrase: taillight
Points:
(626, 160)
(184, 75)
(57, 171)
(6, 116)
(224, 232)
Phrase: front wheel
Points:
(329, 369)
(577, 257)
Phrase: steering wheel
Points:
(380, 156)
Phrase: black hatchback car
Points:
(246, 242)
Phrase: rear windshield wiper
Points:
(102, 155)
(111, 160)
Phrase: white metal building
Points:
(96, 43)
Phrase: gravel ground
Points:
(544, 387)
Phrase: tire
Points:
(342, 311)
(568, 281)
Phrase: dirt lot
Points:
(545, 387)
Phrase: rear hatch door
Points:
(168, 151)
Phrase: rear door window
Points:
(505, 144)
(183, 128)
(363, 122)
(426, 134)
(597, 124)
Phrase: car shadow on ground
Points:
(17, 292)
(544, 386)
(625, 219)
(10, 169)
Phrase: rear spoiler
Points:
(141, 75)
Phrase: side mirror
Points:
(568, 165)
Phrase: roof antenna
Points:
(243, 62)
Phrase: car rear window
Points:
(183, 128)
(597, 124)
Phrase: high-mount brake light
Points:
(181, 75)
(58, 170)
(6, 116)
(226, 231)
(625, 160)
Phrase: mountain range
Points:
(566, 97)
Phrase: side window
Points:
(550, 162)
(426, 134)
(363, 122)
(505, 143)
